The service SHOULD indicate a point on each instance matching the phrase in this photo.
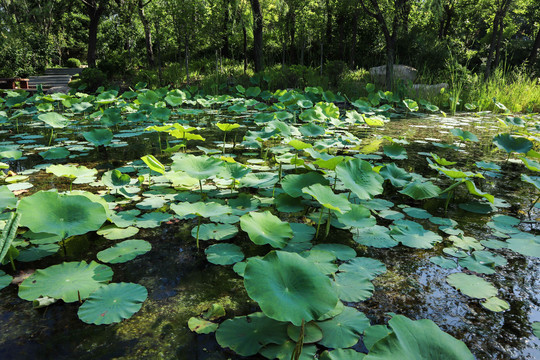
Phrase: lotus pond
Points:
(164, 224)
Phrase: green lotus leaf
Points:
(201, 326)
(55, 153)
(98, 137)
(340, 251)
(224, 254)
(525, 244)
(375, 236)
(482, 262)
(253, 91)
(474, 191)
(7, 198)
(323, 260)
(359, 216)
(464, 135)
(465, 242)
(288, 288)
(443, 262)
(530, 164)
(112, 303)
(329, 163)
(375, 333)
(397, 176)
(227, 126)
(411, 104)
(353, 288)
(327, 198)
(421, 190)
(284, 351)
(533, 180)
(10, 154)
(344, 330)
(215, 231)
(72, 171)
(495, 304)
(363, 267)
(29, 254)
(472, 285)
(417, 213)
(293, 184)
(62, 214)
(265, 228)
(68, 281)
(488, 166)
(412, 234)
(246, 335)
(536, 329)
(512, 144)
(342, 354)
(442, 161)
(244, 203)
(234, 171)
(200, 209)
(154, 164)
(124, 251)
(113, 232)
(312, 333)
(259, 180)
(54, 120)
(311, 129)
(359, 177)
(5, 279)
(125, 218)
(395, 152)
(418, 340)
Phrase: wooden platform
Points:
(54, 78)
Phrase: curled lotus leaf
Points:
(359, 177)
(265, 228)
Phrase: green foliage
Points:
(73, 63)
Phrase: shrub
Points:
(90, 79)
(73, 63)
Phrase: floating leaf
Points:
(201, 326)
(421, 190)
(512, 144)
(124, 251)
(344, 330)
(327, 198)
(495, 304)
(224, 254)
(54, 120)
(99, 137)
(472, 285)
(358, 176)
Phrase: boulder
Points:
(401, 72)
(424, 90)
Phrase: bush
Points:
(73, 63)
(90, 79)
(334, 69)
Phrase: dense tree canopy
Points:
(191, 36)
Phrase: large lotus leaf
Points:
(265, 228)
(323, 260)
(224, 254)
(198, 167)
(67, 281)
(113, 232)
(375, 333)
(7, 198)
(376, 236)
(327, 198)
(525, 244)
(421, 190)
(443, 262)
(512, 144)
(29, 254)
(55, 153)
(5, 279)
(472, 285)
(215, 231)
(293, 184)
(363, 267)
(344, 330)
(72, 171)
(359, 177)
(312, 333)
(284, 351)
(62, 214)
(259, 180)
(246, 335)
(98, 136)
(464, 135)
(417, 213)
(353, 288)
(289, 288)
(54, 120)
(154, 164)
(200, 209)
(412, 234)
(397, 176)
(418, 340)
(534, 180)
(340, 251)
(342, 354)
(124, 251)
(359, 216)
(311, 129)
(395, 152)
(112, 303)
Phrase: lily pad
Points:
(495, 304)
(472, 285)
(99, 137)
(265, 228)
(412, 234)
(215, 231)
(358, 176)
(525, 244)
(5, 279)
(512, 144)
(55, 153)
(202, 326)
(344, 330)
(284, 351)
(293, 184)
(224, 254)
(376, 236)
(327, 198)
(112, 232)
(353, 288)
(421, 190)
(124, 251)
(112, 303)
(342, 354)
(288, 288)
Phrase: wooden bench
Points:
(11, 83)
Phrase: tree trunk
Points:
(92, 37)
(147, 35)
(292, 34)
(390, 59)
(225, 50)
(328, 23)
(534, 50)
(186, 54)
(257, 35)
(498, 46)
(244, 31)
(352, 53)
(497, 24)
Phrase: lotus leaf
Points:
(397, 176)
(472, 285)
(344, 330)
(340, 251)
(265, 228)
(465, 242)
(342, 354)
(224, 254)
(288, 288)
(36, 253)
(112, 232)
(72, 171)
(201, 326)
(533, 180)
(417, 213)
(536, 329)
(327, 198)
(376, 236)
(443, 262)
(99, 137)
(364, 267)
(359, 177)
(395, 152)
(512, 144)
(525, 244)
(7, 199)
(323, 260)
(285, 351)
(62, 214)
(215, 231)
(259, 180)
(200, 209)
(495, 304)
(464, 135)
(375, 333)
(54, 120)
(246, 335)
(359, 216)
(68, 281)
(302, 232)
(418, 340)
(312, 333)
(112, 303)
(5, 279)
(311, 130)
(124, 251)
(55, 153)
(421, 190)
(293, 184)
(352, 287)
(413, 235)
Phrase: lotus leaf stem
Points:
(328, 224)
(50, 139)
(198, 227)
(319, 224)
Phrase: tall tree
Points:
(389, 21)
(95, 9)
(147, 32)
(501, 7)
(257, 35)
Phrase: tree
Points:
(95, 9)
(392, 14)
(502, 7)
(257, 35)
(147, 32)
